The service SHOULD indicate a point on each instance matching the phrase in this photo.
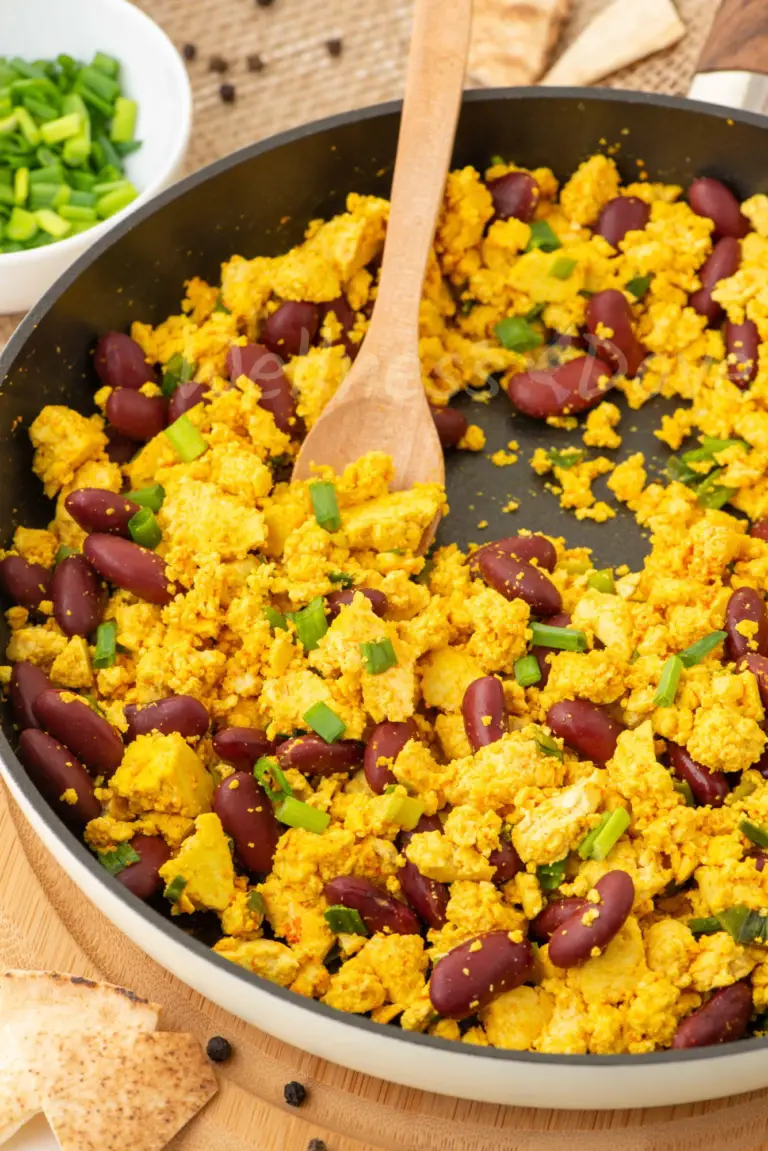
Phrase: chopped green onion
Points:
(527, 671)
(124, 122)
(275, 618)
(64, 552)
(173, 890)
(255, 902)
(710, 494)
(551, 875)
(710, 446)
(743, 925)
(29, 128)
(144, 528)
(325, 504)
(562, 268)
(670, 678)
(517, 335)
(118, 858)
(310, 623)
(344, 579)
(608, 834)
(683, 787)
(638, 287)
(78, 214)
(404, 811)
(602, 581)
(152, 497)
(707, 925)
(272, 778)
(294, 813)
(467, 306)
(93, 80)
(106, 64)
(106, 645)
(21, 186)
(535, 312)
(543, 237)
(185, 439)
(755, 832)
(52, 223)
(176, 371)
(114, 202)
(344, 920)
(562, 638)
(566, 459)
(699, 650)
(378, 657)
(325, 722)
(547, 745)
(677, 470)
(21, 226)
(588, 842)
(55, 131)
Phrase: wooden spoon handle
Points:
(436, 69)
(739, 38)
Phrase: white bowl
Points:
(153, 73)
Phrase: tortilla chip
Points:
(48, 1001)
(20, 1098)
(512, 40)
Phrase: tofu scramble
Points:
(507, 799)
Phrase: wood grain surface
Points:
(739, 38)
(46, 923)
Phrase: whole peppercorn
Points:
(317, 1145)
(264, 3)
(294, 1093)
(189, 51)
(255, 62)
(218, 64)
(218, 1049)
(335, 47)
(228, 93)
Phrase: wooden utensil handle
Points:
(433, 92)
(739, 38)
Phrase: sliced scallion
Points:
(118, 858)
(294, 813)
(255, 902)
(699, 650)
(602, 581)
(152, 497)
(405, 811)
(185, 439)
(562, 638)
(378, 657)
(670, 678)
(543, 237)
(310, 623)
(325, 505)
(562, 268)
(344, 920)
(275, 618)
(705, 925)
(64, 552)
(547, 745)
(343, 579)
(106, 645)
(566, 459)
(271, 777)
(324, 722)
(517, 335)
(609, 833)
(551, 875)
(144, 528)
(176, 371)
(527, 671)
(638, 286)
(174, 890)
(755, 832)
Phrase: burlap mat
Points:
(301, 81)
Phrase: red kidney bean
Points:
(742, 342)
(28, 682)
(555, 914)
(143, 877)
(386, 741)
(54, 770)
(515, 579)
(451, 425)
(712, 199)
(266, 369)
(567, 340)
(177, 713)
(311, 755)
(97, 510)
(292, 329)
(569, 389)
(185, 398)
(709, 788)
(622, 350)
(242, 746)
(758, 665)
(120, 362)
(485, 712)
(88, 735)
(722, 263)
(515, 194)
(336, 600)
(120, 450)
(722, 1019)
(746, 605)
(573, 941)
(426, 823)
(759, 529)
(346, 317)
(26, 583)
(137, 416)
(541, 653)
(427, 897)
(378, 910)
(78, 597)
(526, 548)
(247, 815)
(468, 978)
(506, 861)
(128, 566)
(586, 727)
(622, 215)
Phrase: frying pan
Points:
(258, 201)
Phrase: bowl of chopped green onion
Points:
(95, 116)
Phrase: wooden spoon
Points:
(381, 406)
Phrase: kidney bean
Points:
(722, 1019)
(759, 529)
(451, 425)
(426, 823)
(26, 583)
(427, 897)
(266, 369)
(526, 548)
(247, 815)
(742, 342)
(506, 861)
(120, 362)
(485, 712)
(181, 713)
(346, 318)
(97, 510)
(386, 741)
(516, 194)
(28, 682)
(746, 606)
(291, 330)
(709, 788)
(54, 770)
(311, 755)
(573, 941)
(569, 389)
(87, 735)
(622, 215)
(468, 978)
(541, 653)
(336, 600)
(143, 877)
(137, 416)
(758, 665)
(78, 597)
(242, 746)
(555, 914)
(378, 910)
(586, 727)
(567, 340)
(185, 398)
(128, 566)
(712, 199)
(722, 263)
(622, 350)
(515, 579)
(120, 450)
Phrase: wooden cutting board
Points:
(46, 923)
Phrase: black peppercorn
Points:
(189, 51)
(264, 3)
(317, 1145)
(255, 62)
(219, 1049)
(218, 64)
(335, 46)
(228, 93)
(294, 1093)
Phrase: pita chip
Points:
(623, 33)
(512, 40)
